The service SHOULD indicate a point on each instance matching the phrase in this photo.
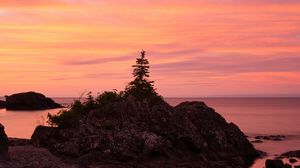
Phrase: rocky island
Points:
(30, 101)
(132, 132)
(136, 128)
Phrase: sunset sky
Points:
(196, 48)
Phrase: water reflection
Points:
(21, 124)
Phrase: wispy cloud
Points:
(88, 61)
(93, 75)
(233, 64)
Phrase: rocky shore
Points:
(289, 159)
(286, 160)
(23, 154)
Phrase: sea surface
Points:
(254, 116)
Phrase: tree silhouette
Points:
(141, 86)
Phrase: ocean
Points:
(254, 116)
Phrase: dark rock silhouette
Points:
(287, 165)
(293, 160)
(274, 163)
(18, 142)
(41, 135)
(3, 143)
(30, 101)
(133, 131)
(291, 154)
(2, 104)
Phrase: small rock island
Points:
(30, 101)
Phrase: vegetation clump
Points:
(141, 88)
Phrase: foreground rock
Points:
(274, 163)
(22, 154)
(18, 142)
(137, 133)
(293, 160)
(33, 157)
(30, 101)
(287, 165)
(41, 135)
(2, 104)
(3, 143)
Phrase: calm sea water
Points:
(254, 116)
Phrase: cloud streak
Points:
(89, 61)
(236, 64)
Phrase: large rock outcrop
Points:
(188, 135)
(30, 101)
(3, 143)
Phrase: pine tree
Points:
(141, 86)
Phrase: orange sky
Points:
(196, 48)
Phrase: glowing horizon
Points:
(196, 49)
